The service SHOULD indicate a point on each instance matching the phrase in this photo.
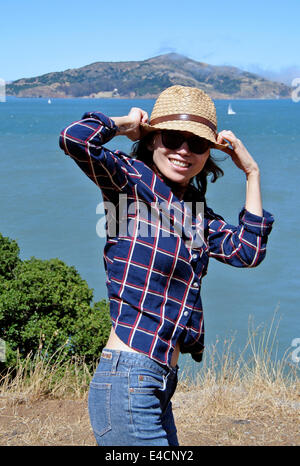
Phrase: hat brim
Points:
(198, 129)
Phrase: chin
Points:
(179, 180)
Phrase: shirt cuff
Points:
(197, 356)
(109, 128)
(261, 226)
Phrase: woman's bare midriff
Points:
(115, 343)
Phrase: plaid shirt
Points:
(154, 281)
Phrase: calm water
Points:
(49, 206)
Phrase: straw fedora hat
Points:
(184, 108)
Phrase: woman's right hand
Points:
(129, 125)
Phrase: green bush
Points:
(45, 304)
(91, 331)
(9, 257)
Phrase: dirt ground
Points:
(47, 422)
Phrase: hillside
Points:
(147, 79)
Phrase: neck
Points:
(176, 188)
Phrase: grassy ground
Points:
(234, 401)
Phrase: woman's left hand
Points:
(238, 153)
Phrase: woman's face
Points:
(178, 165)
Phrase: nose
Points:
(184, 149)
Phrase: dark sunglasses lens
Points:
(198, 145)
(172, 139)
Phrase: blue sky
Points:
(38, 37)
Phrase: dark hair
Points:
(140, 151)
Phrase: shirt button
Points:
(195, 285)
(194, 256)
(185, 313)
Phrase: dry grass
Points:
(56, 377)
(252, 399)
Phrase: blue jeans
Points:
(129, 401)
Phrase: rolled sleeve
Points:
(240, 246)
(94, 130)
(83, 140)
(261, 226)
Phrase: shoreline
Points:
(142, 98)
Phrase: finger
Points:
(145, 117)
(233, 140)
(224, 135)
(219, 138)
(222, 140)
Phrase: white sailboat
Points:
(49, 101)
(230, 111)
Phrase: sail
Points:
(230, 111)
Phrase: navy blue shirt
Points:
(158, 247)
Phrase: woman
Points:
(155, 266)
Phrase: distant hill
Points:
(147, 79)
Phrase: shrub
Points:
(91, 331)
(9, 257)
(44, 305)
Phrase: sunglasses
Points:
(174, 139)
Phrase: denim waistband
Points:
(131, 359)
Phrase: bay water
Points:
(49, 207)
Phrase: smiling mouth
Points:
(178, 163)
